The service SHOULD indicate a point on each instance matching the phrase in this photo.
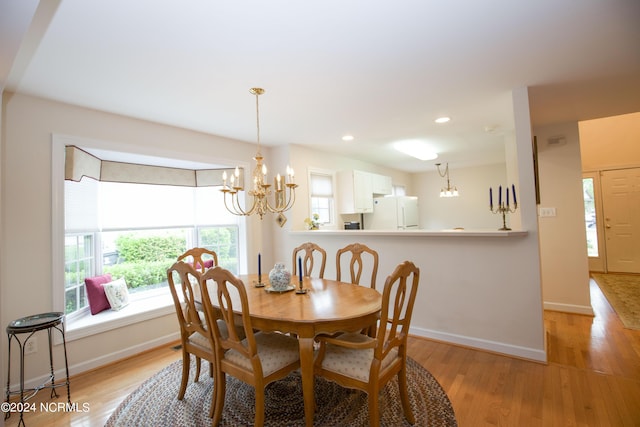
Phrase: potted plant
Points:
(312, 223)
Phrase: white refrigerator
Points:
(392, 213)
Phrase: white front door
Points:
(621, 208)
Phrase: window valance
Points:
(79, 163)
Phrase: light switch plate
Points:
(546, 212)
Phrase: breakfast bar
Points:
(472, 280)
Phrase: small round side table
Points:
(30, 325)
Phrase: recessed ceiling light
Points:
(347, 138)
(442, 119)
(415, 148)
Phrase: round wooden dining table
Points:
(327, 307)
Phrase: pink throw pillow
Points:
(207, 264)
(95, 293)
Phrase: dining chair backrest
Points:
(398, 298)
(257, 358)
(230, 297)
(356, 360)
(183, 281)
(357, 263)
(196, 336)
(312, 253)
(200, 258)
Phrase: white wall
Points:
(563, 244)
(3, 361)
(471, 209)
(301, 158)
(611, 142)
(26, 207)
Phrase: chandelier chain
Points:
(257, 92)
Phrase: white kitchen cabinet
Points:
(381, 184)
(355, 192)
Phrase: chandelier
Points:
(448, 191)
(283, 188)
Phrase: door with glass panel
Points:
(621, 219)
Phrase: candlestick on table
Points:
(259, 284)
(300, 290)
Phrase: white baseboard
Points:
(87, 365)
(534, 354)
(569, 308)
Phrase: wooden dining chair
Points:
(258, 359)
(200, 258)
(358, 361)
(359, 253)
(196, 335)
(312, 252)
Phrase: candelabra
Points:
(503, 208)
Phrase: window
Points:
(590, 217)
(137, 234)
(224, 241)
(79, 263)
(95, 223)
(142, 256)
(321, 196)
(399, 190)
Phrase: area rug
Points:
(623, 293)
(155, 402)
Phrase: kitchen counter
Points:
(416, 233)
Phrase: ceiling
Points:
(379, 70)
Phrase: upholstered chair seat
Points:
(275, 351)
(354, 362)
(200, 340)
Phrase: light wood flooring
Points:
(592, 378)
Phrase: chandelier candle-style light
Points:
(449, 191)
(284, 188)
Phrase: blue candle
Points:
(491, 198)
(513, 187)
(300, 269)
(500, 196)
(259, 265)
(507, 196)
